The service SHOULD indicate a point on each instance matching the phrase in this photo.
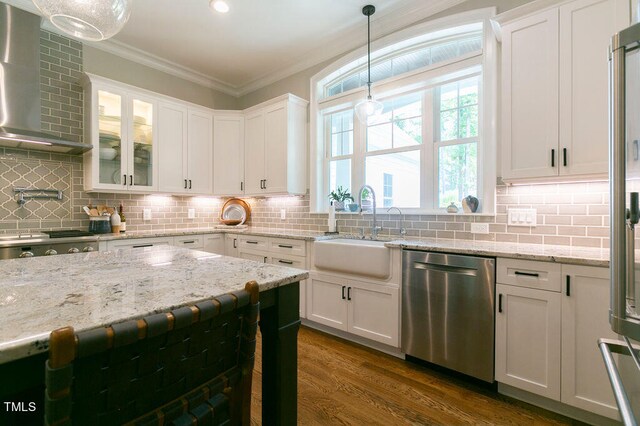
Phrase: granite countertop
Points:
(87, 290)
(295, 234)
(563, 254)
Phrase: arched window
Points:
(433, 144)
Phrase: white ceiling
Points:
(258, 41)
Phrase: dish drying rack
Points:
(47, 194)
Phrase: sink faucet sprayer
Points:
(403, 230)
(375, 228)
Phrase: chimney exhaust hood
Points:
(20, 86)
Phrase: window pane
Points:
(444, 52)
(384, 117)
(342, 133)
(347, 143)
(469, 122)
(408, 106)
(379, 137)
(407, 132)
(335, 89)
(336, 123)
(340, 174)
(457, 173)
(381, 71)
(351, 83)
(469, 91)
(449, 125)
(448, 96)
(469, 45)
(402, 170)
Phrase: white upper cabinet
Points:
(186, 150)
(121, 125)
(228, 154)
(554, 90)
(173, 121)
(275, 147)
(150, 143)
(200, 152)
(586, 27)
(530, 97)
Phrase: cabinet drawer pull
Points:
(343, 287)
(252, 242)
(265, 259)
(349, 293)
(635, 150)
(286, 262)
(130, 180)
(265, 184)
(124, 180)
(564, 156)
(527, 274)
(234, 243)
(189, 183)
(568, 285)
(500, 303)
(553, 158)
(185, 184)
(143, 245)
(188, 242)
(261, 183)
(285, 246)
(241, 186)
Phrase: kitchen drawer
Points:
(138, 243)
(291, 261)
(287, 246)
(253, 243)
(195, 242)
(530, 274)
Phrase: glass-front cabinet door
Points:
(112, 150)
(123, 133)
(143, 149)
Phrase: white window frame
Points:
(428, 77)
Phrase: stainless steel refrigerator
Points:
(624, 177)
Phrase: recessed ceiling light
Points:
(219, 5)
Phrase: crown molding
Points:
(152, 61)
(382, 25)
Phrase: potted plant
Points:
(339, 196)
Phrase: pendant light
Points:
(369, 107)
(92, 20)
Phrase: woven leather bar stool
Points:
(190, 366)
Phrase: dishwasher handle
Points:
(445, 268)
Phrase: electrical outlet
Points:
(283, 214)
(479, 228)
(522, 217)
(191, 213)
(146, 214)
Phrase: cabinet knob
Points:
(50, 252)
(25, 254)
(73, 250)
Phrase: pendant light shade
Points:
(92, 20)
(369, 107)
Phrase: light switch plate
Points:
(522, 217)
(191, 214)
(479, 228)
(146, 214)
(283, 214)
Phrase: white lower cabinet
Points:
(271, 250)
(547, 340)
(585, 319)
(214, 243)
(194, 242)
(364, 309)
(139, 243)
(528, 339)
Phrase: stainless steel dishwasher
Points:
(448, 311)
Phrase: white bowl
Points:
(108, 153)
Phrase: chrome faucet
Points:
(403, 230)
(374, 228)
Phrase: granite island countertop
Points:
(87, 290)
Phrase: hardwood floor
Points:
(344, 383)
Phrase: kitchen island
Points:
(89, 290)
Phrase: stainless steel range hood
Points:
(20, 86)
